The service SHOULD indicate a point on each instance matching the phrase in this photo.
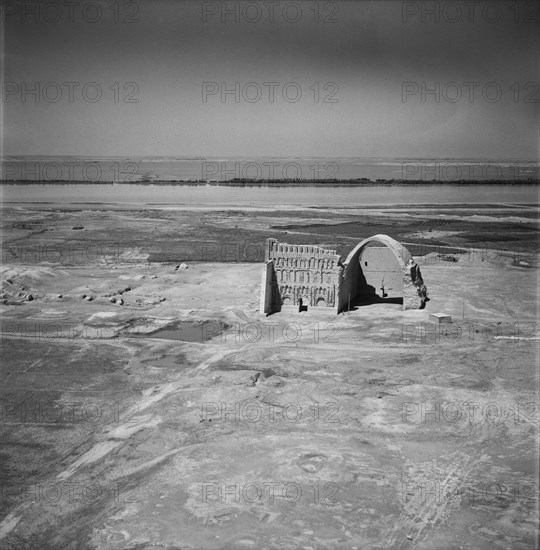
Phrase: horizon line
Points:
(219, 157)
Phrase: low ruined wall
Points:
(414, 289)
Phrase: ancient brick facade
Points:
(309, 275)
(306, 272)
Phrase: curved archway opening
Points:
(381, 274)
(303, 301)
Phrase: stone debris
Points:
(152, 301)
(440, 318)
(236, 378)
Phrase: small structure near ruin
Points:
(313, 276)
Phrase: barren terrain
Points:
(147, 404)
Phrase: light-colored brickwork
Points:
(309, 275)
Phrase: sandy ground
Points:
(183, 419)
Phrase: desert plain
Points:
(146, 404)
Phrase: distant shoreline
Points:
(361, 182)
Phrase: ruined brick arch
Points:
(402, 255)
(325, 281)
(414, 290)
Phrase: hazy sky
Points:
(169, 50)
